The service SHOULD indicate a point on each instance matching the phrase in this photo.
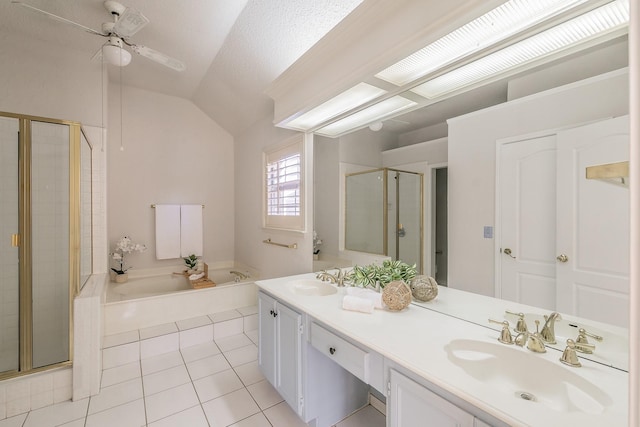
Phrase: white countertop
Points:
(416, 338)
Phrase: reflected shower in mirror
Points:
(384, 214)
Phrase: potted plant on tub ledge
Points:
(124, 247)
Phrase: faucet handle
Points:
(582, 331)
(569, 356)
(582, 345)
(505, 334)
(521, 325)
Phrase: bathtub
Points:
(150, 300)
(147, 286)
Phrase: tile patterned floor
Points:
(215, 384)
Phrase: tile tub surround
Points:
(123, 316)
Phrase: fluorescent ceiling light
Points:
(351, 98)
(364, 117)
(504, 21)
(592, 24)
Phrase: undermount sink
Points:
(310, 287)
(525, 375)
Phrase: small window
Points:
(283, 185)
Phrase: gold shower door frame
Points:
(24, 239)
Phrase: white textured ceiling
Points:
(233, 49)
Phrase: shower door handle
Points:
(15, 240)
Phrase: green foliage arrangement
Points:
(389, 271)
(191, 261)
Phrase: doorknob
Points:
(562, 258)
(508, 252)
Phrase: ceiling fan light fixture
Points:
(376, 126)
(116, 55)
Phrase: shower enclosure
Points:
(384, 214)
(45, 224)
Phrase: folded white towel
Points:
(191, 237)
(353, 303)
(370, 294)
(196, 276)
(167, 231)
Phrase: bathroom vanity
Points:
(434, 368)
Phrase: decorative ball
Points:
(396, 295)
(424, 288)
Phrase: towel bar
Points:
(154, 206)
(291, 246)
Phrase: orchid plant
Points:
(316, 242)
(124, 247)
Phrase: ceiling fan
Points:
(126, 22)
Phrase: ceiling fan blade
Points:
(130, 22)
(58, 18)
(159, 57)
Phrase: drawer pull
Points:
(332, 350)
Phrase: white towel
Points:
(353, 303)
(370, 294)
(167, 231)
(191, 230)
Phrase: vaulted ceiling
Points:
(233, 49)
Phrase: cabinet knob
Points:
(275, 314)
(271, 312)
(332, 350)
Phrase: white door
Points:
(527, 221)
(593, 224)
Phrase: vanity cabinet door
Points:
(267, 337)
(279, 349)
(412, 405)
(288, 356)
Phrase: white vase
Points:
(118, 278)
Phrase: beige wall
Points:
(472, 155)
(175, 154)
(37, 81)
(269, 260)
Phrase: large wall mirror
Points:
(472, 142)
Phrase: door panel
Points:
(288, 356)
(593, 224)
(527, 221)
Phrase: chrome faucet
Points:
(548, 333)
(337, 278)
(239, 276)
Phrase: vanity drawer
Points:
(347, 355)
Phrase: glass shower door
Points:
(9, 249)
(409, 218)
(50, 242)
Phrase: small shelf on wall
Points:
(615, 173)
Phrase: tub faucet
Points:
(548, 333)
(337, 278)
(239, 276)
